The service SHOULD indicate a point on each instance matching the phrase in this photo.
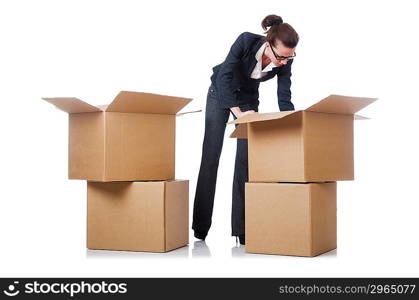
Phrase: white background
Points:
(94, 49)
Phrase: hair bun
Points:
(276, 21)
(271, 20)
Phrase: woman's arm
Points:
(284, 88)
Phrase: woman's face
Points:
(280, 50)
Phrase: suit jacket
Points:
(233, 84)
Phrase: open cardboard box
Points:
(133, 138)
(315, 144)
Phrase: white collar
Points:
(258, 57)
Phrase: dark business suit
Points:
(231, 85)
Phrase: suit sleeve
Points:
(225, 77)
(284, 88)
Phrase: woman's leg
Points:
(241, 176)
(215, 124)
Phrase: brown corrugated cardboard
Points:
(137, 216)
(309, 145)
(133, 138)
(290, 218)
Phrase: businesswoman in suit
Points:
(234, 88)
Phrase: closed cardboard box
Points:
(137, 216)
(131, 139)
(311, 145)
(290, 218)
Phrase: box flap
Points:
(358, 117)
(188, 112)
(262, 117)
(137, 102)
(240, 132)
(338, 104)
(103, 106)
(72, 105)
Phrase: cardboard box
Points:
(290, 218)
(133, 138)
(309, 145)
(137, 216)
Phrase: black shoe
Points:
(241, 239)
(200, 235)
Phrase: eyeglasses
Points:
(279, 57)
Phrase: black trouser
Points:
(215, 125)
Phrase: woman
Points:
(234, 88)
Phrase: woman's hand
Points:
(238, 113)
(247, 112)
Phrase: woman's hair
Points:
(278, 30)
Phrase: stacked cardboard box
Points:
(126, 152)
(295, 159)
